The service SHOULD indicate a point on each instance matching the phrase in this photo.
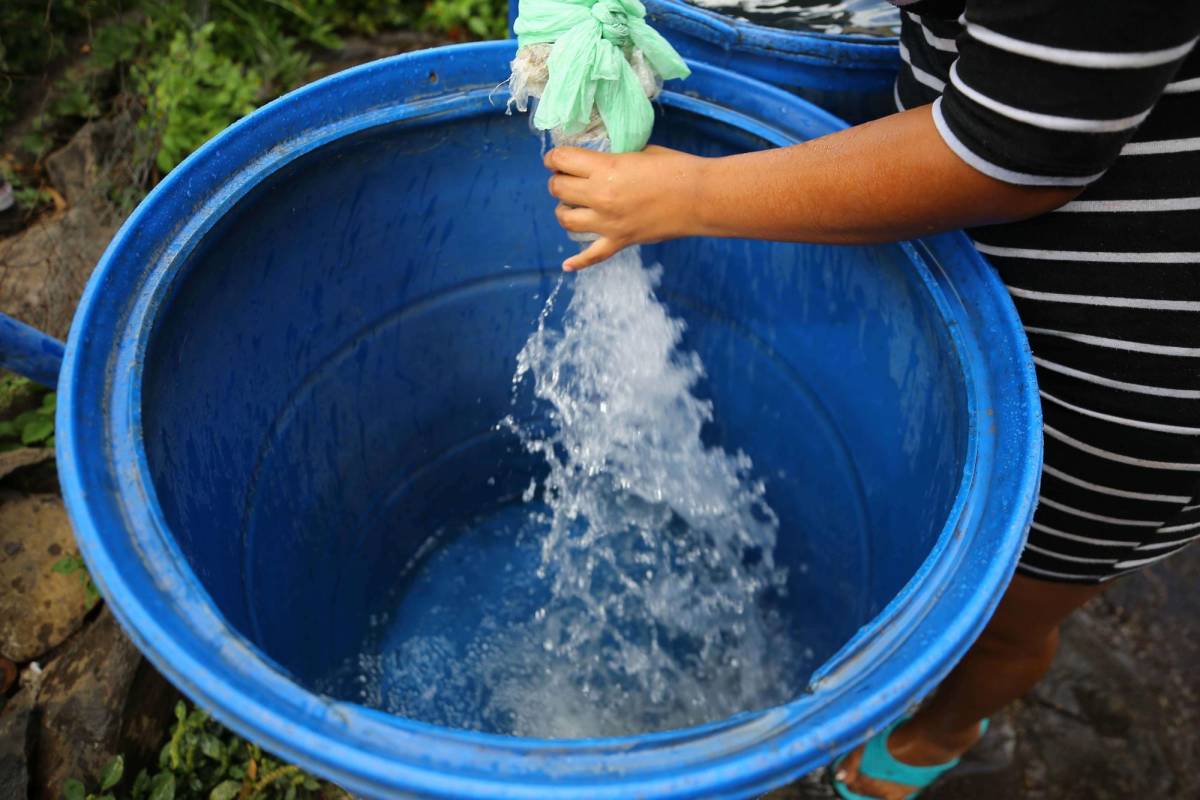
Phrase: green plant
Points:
(73, 564)
(193, 92)
(485, 19)
(34, 34)
(364, 16)
(110, 776)
(33, 428)
(17, 393)
(184, 69)
(203, 761)
(28, 198)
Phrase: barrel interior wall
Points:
(849, 397)
(322, 390)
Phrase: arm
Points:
(891, 179)
(1041, 97)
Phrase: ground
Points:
(1118, 716)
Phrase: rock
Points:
(98, 698)
(76, 167)
(43, 268)
(39, 608)
(16, 745)
(15, 460)
(8, 675)
(146, 718)
(37, 475)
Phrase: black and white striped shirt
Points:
(1103, 95)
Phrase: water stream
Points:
(633, 587)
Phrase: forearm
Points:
(888, 180)
(883, 181)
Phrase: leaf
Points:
(91, 595)
(225, 790)
(73, 790)
(112, 773)
(165, 160)
(50, 402)
(141, 784)
(67, 564)
(211, 746)
(180, 711)
(37, 431)
(162, 787)
(7, 430)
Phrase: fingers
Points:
(599, 250)
(570, 189)
(572, 167)
(577, 220)
(573, 161)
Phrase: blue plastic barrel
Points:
(288, 368)
(850, 75)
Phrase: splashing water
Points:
(654, 602)
(658, 550)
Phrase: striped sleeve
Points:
(1046, 92)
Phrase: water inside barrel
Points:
(634, 586)
(846, 17)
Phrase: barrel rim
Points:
(745, 753)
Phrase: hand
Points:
(627, 199)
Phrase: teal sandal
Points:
(879, 764)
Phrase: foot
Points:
(909, 747)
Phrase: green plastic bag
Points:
(589, 67)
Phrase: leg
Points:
(1010, 657)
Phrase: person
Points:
(1065, 136)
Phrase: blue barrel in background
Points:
(288, 368)
(849, 75)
